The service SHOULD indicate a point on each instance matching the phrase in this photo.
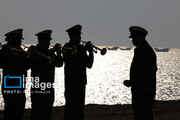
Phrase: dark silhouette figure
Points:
(75, 74)
(43, 62)
(142, 75)
(14, 62)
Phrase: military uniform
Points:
(143, 77)
(13, 63)
(43, 98)
(75, 77)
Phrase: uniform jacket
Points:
(42, 68)
(143, 70)
(13, 63)
(75, 65)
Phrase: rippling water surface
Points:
(105, 79)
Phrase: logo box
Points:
(12, 81)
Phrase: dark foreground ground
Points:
(163, 110)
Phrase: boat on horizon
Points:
(126, 48)
(161, 49)
(112, 48)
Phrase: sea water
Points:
(105, 79)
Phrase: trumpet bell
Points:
(103, 51)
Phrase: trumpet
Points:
(103, 50)
(27, 51)
(25, 48)
(32, 49)
(73, 49)
(14, 49)
(58, 46)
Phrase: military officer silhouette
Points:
(142, 75)
(75, 74)
(14, 62)
(43, 62)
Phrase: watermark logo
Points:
(20, 82)
(12, 81)
(13, 84)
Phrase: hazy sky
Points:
(104, 22)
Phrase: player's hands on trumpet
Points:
(31, 50)
(34, 55)
(89, 47)
(94, 48)
(57, 48)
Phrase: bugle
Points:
(32, 48)
(103, 50)
(73, 49)
(24, 47)
(12, 48)
(28, 51)
(58, 46)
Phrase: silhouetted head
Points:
(44, 38)
(14, 38)
(75, 33)
(137, 35)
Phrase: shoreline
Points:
(163, 110)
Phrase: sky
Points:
(104, 22)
